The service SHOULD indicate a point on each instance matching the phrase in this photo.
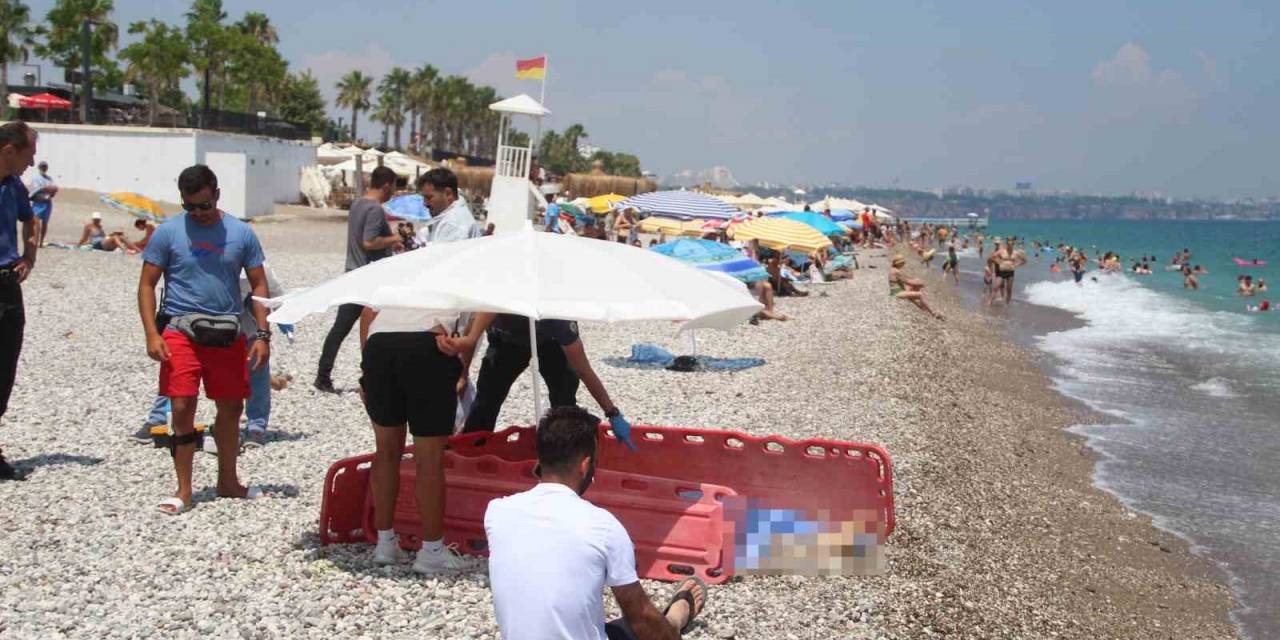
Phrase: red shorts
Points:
(223, 369)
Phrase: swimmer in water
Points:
(1199, 270)
(1246, 287)
(1189, 280)
(1262, 286)
(1265, 306)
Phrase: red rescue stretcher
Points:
(668, 495)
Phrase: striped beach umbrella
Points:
(671, 226)
(713, 256)
(685, 205)
(780, 234)
(136, 205)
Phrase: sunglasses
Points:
(198, 206)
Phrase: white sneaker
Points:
(389, 552)
(210, 445)
(445, 561)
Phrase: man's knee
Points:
(232, 406)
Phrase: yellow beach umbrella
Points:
(672, 227)
(780, 234)
(604, 203)
(136, 204)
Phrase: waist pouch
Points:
(207, 330)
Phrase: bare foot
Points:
(232, 491)
(678, 613)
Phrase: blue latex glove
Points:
(622, 429)
(287, 330)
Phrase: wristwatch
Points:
(612, 413)
(263, 335)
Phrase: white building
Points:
(254, 173)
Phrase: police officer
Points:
(562, 361)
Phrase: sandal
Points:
(686, 594)
(173, 506)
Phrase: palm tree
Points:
(158, 60)
(392, 90)
(389, 114)
(353, 91)
(210, 44)
(418, 101)
(62, 36)
(259, 26)
(17, 38)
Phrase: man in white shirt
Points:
(451, 217)
(551, 553)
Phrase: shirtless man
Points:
(1007, 261)
(98, 238)
(147, 228)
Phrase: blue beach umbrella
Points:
(685, 205)
(843, 215)
(408, 207)
(713, 256)
(823, 224)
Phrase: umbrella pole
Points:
(533, 370)
(693, 340)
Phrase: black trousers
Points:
(503, 363)
(348, 316)
(12, 320)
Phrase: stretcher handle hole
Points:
(680, 569)
(692, 495)
(653, 435)
(696, 439)
(774, 447)
(816, 451)
(879, 462)
(515, 435)
(734, 443)
(634, 485)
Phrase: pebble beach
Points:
(1000, 533)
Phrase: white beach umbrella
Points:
(539, 275)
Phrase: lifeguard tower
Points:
(512, 198)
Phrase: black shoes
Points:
(325, 385)
(7, 472)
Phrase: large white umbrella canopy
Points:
(539, 275)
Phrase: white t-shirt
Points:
(407, 320)
(551, 554)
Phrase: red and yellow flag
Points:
(532, 69)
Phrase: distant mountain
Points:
(719, 177)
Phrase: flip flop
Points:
(687, 596)
(172, 506)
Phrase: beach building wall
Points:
(254, 172)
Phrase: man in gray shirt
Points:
(369, 238)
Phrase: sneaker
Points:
(389, 552)
(210, 445)
(445, 561)
(254, 438)
(7, 472)
(143, 435)
(325, 385)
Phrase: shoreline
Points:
(1000, 531)
(1106, 570)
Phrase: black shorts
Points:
(408, 380)
(1005, 275)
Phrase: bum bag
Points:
(207, 330)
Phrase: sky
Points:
(1109, 97)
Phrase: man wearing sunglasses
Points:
(201, 254)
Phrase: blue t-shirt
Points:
(202, 263)
(552, 219)
(15, 207)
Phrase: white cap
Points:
(97, 215)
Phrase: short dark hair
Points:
(382, 176)
(17, 134)
(139, 223)
(565, 436)
(439, 178)
(196, 177)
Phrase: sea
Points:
(1189, 381)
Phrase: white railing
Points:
(513, 161)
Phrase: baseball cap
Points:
(97, 215)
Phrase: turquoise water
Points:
(1191, 378)
(1212, 245)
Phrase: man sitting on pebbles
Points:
(551, 553)
(98, 238)
(201, 254)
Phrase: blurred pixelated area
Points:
(770, 539)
